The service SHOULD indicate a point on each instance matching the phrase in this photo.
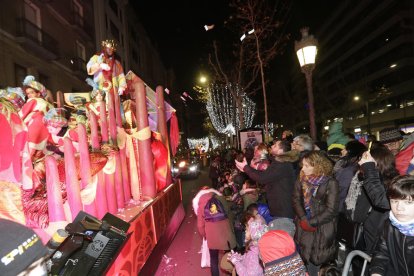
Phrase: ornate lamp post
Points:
(306, 50)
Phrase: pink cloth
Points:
(248, 264)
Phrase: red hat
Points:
(278, 252)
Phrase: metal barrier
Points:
(349, 258)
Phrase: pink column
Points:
(162, 127)
(71, 176)
(101, 201)
(94, 131)
(85, 166)
(119, 188)
(103, 121)
(54, 193)
(146, 167)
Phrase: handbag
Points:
(205, 254)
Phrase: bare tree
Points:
(263, 25)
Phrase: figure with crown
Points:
(107, 71)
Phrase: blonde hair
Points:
(320, 163)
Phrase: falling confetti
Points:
(208, 27)
(167, 91)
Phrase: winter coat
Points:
(394, 253)
(249, 263)
(375, 202)
(279, 180)
(318, 247)
(344, 176)
(219, 234)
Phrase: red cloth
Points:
(174, 134)
(403, 158)
(276, 244)
(304, 224)
(160, 153)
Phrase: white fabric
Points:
(200, 193)
(205, 254)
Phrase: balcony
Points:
(34, 39)
(80, 25)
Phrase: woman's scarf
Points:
(407, 228)
(355, 189)
(310, 185)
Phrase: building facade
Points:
(365, 64)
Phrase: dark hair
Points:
(329, 270)
(246, 216)
(285, 145)
(252, 207)
(227, 191)
(385, 163)
(249, 183)
(401, 187)
(354, 149)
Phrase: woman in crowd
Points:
(315, 202)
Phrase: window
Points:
(32, 25)
(80, 50)
(20, 73)
(77, 12)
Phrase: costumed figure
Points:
(97, 97)
(106, 70)
(15, 163)
(32, 114)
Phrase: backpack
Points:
(214, 210)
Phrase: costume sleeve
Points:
(93, 65)
(381, 258)
(329, 208)
(374, 187)
(27, 108)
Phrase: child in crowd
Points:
(394, 253)
(279, 255)
(249, 193)
(249, 264)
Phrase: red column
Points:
(162, 127)
(146, 158)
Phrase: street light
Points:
(306, 50)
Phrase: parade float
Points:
(114, 163)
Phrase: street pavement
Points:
(182, 257)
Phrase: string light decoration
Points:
(215, 142)
(223, 111)
(201, 144)
(270, 126)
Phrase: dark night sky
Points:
(177, 28)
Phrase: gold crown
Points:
(109, 43)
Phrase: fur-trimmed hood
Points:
(290, 156)
(196, 199)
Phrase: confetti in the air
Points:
(167, 91)
(208, 27)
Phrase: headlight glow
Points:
(181, 164)
(193, 168)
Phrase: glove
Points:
(104, 67)
(304, 224)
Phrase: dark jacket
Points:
(344, 174)
(394, 253)
(373, 203)
(279, 180)
(318, 247)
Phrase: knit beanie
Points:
(388, 135)
(20, 247)
(355, 148)
(278, 252)
(336, 137)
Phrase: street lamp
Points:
(306, 50)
